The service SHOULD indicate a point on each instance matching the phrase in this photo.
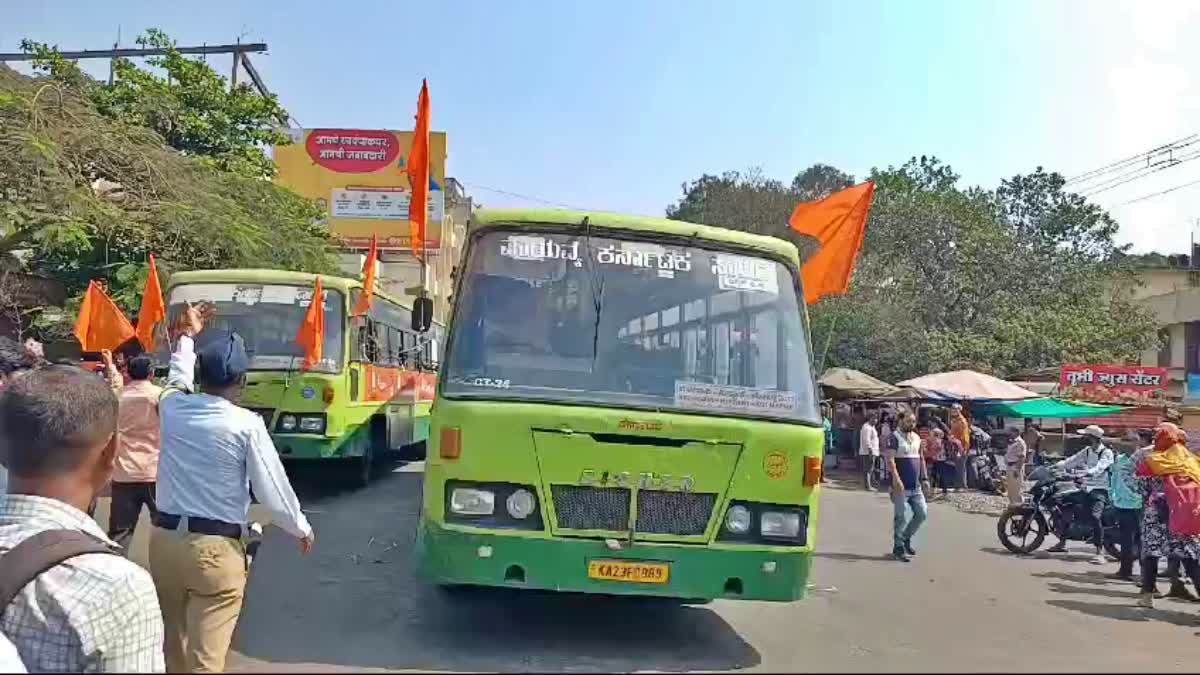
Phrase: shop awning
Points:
(1047, 408)
(967, 385)
(854, 383)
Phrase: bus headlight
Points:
(313, 424)
(782, 524)
(520, 504)
(472, 502)
(287, 423)
(737, 519)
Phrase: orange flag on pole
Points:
(311, 336)
(101, 324)
(369, 266)
(417, 169)
(153, 308)
(839, 222)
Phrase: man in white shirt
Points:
(868, 449)
(212, 453)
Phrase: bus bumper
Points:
(452, 557)
(301, 447)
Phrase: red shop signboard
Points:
(1118, 384)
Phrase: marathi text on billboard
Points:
(1114, 383)
(357, 177)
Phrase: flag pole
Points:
(828, 340)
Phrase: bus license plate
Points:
(636, 572)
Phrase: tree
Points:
(190, 105)
(953, 277)
(86, 196)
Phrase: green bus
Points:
(626, 406)
(370, 394)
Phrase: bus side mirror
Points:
(422, 314)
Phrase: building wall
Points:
(1173, 296)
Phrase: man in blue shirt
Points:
(1127, 501)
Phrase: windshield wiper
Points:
(596, 280)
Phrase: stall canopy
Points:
(967, 385)
(854, 383)
(1045, 408)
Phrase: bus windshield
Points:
(614, 321)
(268, 316)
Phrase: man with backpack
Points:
(69, 601)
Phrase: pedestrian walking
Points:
(212, 451)
(1014, 467)
(1094, 462)
(1126, 496)
(1168, 457)
(136, 467)
(868, 449)
(907, 468)
(89, 610)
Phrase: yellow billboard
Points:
(357, 177)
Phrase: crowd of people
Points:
(1151, 481)
(70, 599)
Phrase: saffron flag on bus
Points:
(311, 336)
(369, 267)
(838, 222)
(153, 308)
(417, 168)
(101, 324)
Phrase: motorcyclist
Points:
(1092, 462)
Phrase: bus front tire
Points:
(364, 467)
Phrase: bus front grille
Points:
(681, 513)
(589, 508)
(659, 512)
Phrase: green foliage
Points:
(950, 277)
(189, 105)
(89, 196)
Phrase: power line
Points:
(1136, 173)
(1135, 160)
(1163, 192)
(527, 197)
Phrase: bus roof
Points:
(486, 218)
(266, 276)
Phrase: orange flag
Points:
(311, 336)
(101, 324)
(838, 222)
(417, 169)
(153, 308)
(369, 266)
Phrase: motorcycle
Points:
(1052, 501)
(983, 473)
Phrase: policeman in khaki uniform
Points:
(212, 453)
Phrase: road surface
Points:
(962, 604)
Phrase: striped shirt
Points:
(94, 613)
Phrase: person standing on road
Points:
(1014, 467)
(960, 429)
(907, 467)
(1126, 497)
(136, 467)
(94, 612)
(1094, 461)
(933, 450)
(1167, 457)
(213, 453)
(1033, 442)
(868, 449)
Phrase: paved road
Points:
(963, 604)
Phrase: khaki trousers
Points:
(200, 580)
(1015, 484)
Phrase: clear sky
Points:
(612, 105)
